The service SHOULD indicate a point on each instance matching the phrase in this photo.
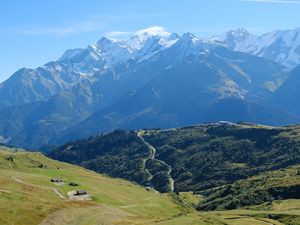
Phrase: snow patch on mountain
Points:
(237, 40)
(142, 37)
(153, 31)
(282, 46)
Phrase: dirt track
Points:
(152, 156)
(60, 195)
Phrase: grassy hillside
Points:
(119, 154)
(194, 158)
(28, 197)
(270, 198)
(265, 188)
(208, 156)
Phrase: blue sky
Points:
(34, 32)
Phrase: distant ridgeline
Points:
(4, 147)
(196, 158)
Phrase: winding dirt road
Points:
(152, 157)
(60, 195)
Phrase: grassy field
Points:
(28, 197)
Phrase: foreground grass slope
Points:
(28, 197)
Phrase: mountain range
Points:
(154, 79)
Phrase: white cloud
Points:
(274, 1)
(154, 31)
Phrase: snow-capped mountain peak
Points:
(71, 53)
(109, 44)
(282, 46)
(153, 31)
(142, 36)
(173, 36)
(80, 55)
(238, 40)
(239, 32)
(112, 51)
(189, 37)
